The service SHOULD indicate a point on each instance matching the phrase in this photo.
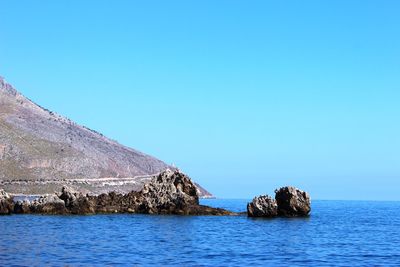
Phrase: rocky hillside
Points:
(40, 150)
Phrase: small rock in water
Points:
(262, 206)
(292, 202)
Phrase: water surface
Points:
(339, 233)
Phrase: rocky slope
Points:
(40, 151)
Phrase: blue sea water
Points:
(338, 233)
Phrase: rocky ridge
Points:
(171, 192)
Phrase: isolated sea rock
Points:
(6, 203)
(292, 202)
(262, 206)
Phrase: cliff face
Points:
(40, 150)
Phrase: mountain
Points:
(40, 151)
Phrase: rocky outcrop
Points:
(22, 207)
(76, 203)
(289, 202)
(48, 204)
(262, 206)
(292, 202)
(6, 203)
(115, 203)
(171, 192)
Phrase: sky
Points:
(244, 96)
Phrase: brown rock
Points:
(262, 206)
(205, 210)
(48, 204)
(171, 192)
(108, 203)
(6, 203)
(292, 202)
(22, 207)
(77, 203)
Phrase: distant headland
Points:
(41, 152)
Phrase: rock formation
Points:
(22, 207)
(262, 206)
(289, 202)
(292, 202)
(6, 203)
(48, 204)
(171, 192)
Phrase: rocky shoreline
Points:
(170, 192)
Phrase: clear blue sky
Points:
(244, 96)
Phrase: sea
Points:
(338, 233)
